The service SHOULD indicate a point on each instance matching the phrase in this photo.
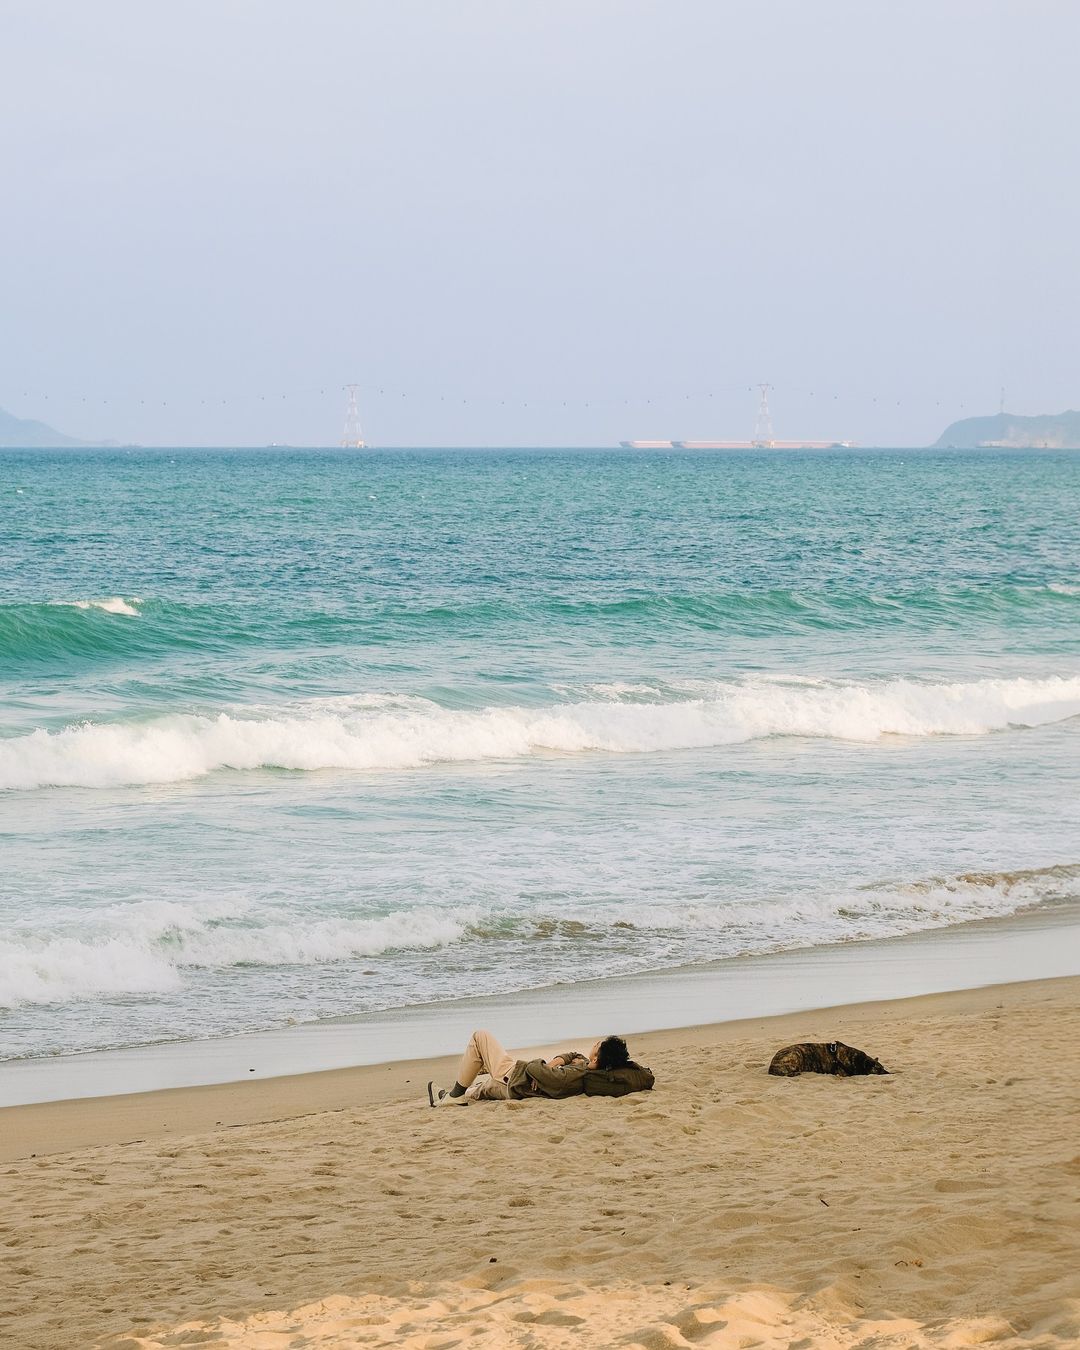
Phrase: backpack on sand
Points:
(618, 1082)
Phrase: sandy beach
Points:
(936, 1206)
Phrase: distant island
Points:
(1047, 431)
(19, 433)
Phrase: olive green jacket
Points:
(538, 1078)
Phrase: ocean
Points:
(297, 735)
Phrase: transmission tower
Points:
(352, 438)
(763, 432)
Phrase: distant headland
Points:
(1010, 431)
(19, 433)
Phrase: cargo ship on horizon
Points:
(762, 439)
(736, 445)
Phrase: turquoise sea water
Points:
(293, 735)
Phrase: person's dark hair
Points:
(613, 1053)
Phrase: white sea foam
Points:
(366, 735)
(114, 604)
(622, 689)
(882, 909)
(145, 948)
(149, 947)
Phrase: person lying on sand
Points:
(489, 1073)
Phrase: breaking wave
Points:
(145, 948)
(115, 604)
(397, 732)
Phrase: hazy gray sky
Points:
(216, 213)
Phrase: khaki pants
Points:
(484, 1055)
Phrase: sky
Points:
(537, 222)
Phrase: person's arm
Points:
(555, 1080)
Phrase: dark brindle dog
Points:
(835, 1057)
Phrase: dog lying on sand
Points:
(834, 1057)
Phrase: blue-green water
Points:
(292, 735)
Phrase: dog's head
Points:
(854, 1061)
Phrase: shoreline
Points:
(46, 1128)
(72, 1124)
(1041, 943)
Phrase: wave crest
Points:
(115, 604)
(44, 633)
(381, 732)
(144, 948)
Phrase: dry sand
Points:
(937, 1206)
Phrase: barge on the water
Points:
(736, 445)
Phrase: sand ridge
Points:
(936, 1207)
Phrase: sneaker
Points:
(441, 1097)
